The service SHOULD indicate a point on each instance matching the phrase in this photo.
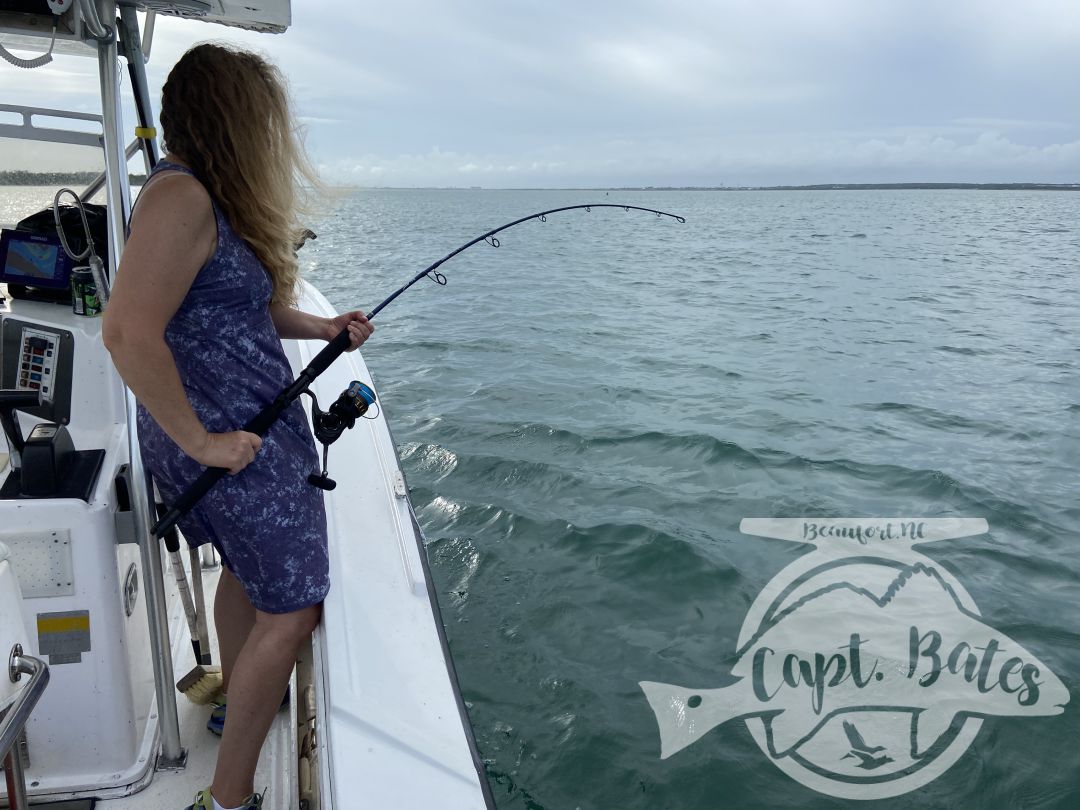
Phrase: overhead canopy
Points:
(272, 16)
(26, 24)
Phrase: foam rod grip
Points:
(331, 352)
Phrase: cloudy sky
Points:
(678, 92)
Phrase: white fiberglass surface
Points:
(171, 790)
(391, 730)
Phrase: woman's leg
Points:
(260, 676)
(233, 617)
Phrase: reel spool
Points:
(353, 403)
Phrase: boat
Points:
(92, 617)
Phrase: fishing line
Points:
(431, 271)
(355, 401)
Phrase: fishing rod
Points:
(357, 398)
(489, 237)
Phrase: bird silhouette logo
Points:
(863, 752)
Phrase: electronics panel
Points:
(35, 357)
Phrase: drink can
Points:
(84, 297)
(90, 297)
(80, 276)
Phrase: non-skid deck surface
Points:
(174, 790)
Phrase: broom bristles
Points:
(202, 685)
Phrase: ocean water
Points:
(587, 413)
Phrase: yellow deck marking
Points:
(63, 624)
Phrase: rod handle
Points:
(183, 504)
(259, 425)
(169, 534)
(331, 352)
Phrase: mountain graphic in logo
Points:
(863, 669)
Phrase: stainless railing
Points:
(11, 727)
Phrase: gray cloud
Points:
(518, 94)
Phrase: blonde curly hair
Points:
(225, 112)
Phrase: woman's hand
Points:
(292, 323)
(360, 328)
(233, 451)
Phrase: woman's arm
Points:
(172, 236)
(292, 323)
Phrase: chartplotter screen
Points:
(34, 260)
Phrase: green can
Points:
(84, 297)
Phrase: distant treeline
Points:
(869, 187)
(888, 186)
(21, 178)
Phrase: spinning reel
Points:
(330, 424)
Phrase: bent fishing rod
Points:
(357, 398)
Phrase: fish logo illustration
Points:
(863, 670)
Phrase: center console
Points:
(36, 362)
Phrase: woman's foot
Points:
(204, 801)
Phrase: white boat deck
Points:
(174, 790)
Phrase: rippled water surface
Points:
(586, 414)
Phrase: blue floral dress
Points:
(267, 522)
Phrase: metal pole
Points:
(200, 606)
(173, 757)
(132, 48)
(209, 557)
(14, 721)
(118, 194)
(117, 189)
(98, 182)
(16, 781)
(148, 33)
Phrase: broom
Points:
(202, 684)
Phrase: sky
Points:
(630, 93)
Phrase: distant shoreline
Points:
(23, 178)
(817, 187)
(891, 187)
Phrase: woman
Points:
(205, 290)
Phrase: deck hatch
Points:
(42, 562)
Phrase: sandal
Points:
(204, 801)
(216, 723)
